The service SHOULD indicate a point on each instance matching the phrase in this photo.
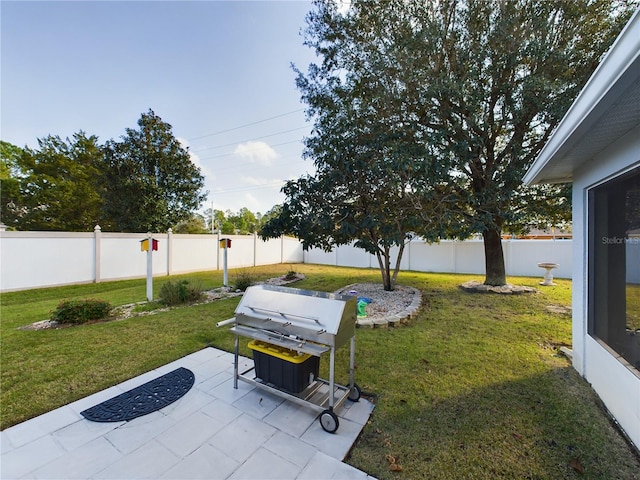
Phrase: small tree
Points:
(368, 150)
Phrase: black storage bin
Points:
(284, 368)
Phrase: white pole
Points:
(150, 269)
(225, 273)
(213, 229)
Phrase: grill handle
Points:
(229, 321)
(284, 314)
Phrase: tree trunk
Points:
(493, 258)
(383, 263)
(397, 269)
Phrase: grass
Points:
(473, 387)
(633, 307)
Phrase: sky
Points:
(219, 72)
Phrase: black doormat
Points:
(144, 399)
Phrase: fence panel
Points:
(241, 253)
(192, 253)
(521, 257)
(320, 257)
(33, 259)
(121, 256)
(268, 252)
(437, 257)
(291, 250)
(349, 256)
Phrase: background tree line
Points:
(242, 222)
(143, 182)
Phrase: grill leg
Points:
(352, 362)
(235, 363)
(332, 364)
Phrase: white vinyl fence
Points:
(43, 259)
(521, 257)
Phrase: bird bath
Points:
(548, 276)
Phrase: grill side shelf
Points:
(281, 340)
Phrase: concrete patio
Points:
(213, 432)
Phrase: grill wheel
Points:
(329, 421)
(355, 393)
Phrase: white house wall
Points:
(617, 385)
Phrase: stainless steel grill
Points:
(304, 321)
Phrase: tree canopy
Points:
(53, 187)
(444, 105)
(145, 182)
(364, 188)
(10, 175)
(151, 183)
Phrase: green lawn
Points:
(633, 306)
(473, 387)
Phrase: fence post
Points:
(454, 258)
(149, 267)
(506, 254)
(218, 251)
(169, 251)
(97, 240)
(255, 248)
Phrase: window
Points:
(614, 265)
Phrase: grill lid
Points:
(316, 316)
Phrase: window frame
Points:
(603, 293)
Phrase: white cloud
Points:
(275, 183)
(256, 152)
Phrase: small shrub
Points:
(177, 292)
(243, 280)
(291, 275)
(81, 311)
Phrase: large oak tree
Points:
(479, 86)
